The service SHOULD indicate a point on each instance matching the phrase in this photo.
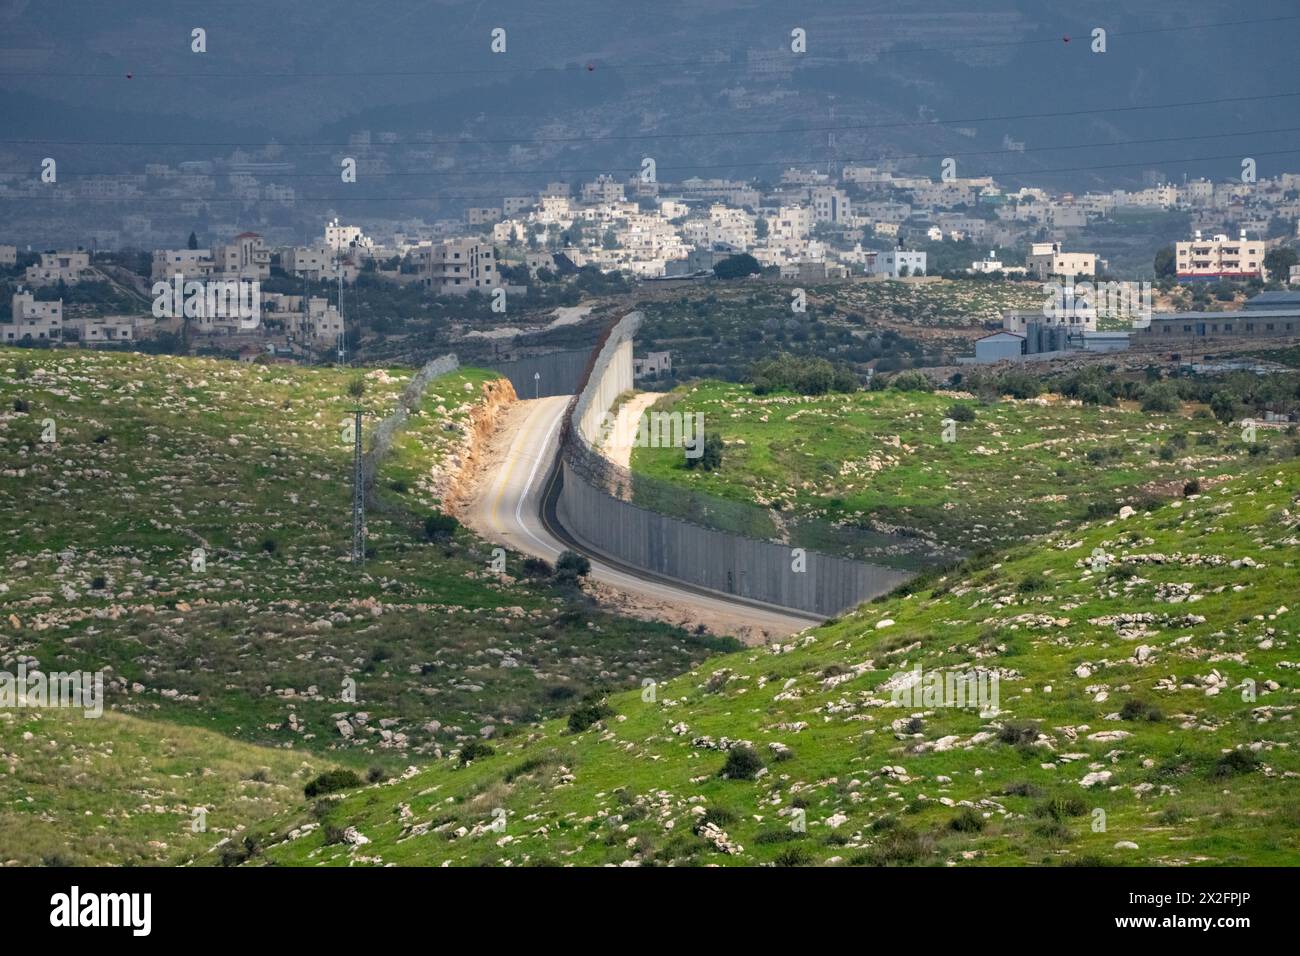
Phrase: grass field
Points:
(880, 459)
(122, 791)
(1147, 669)
(273, 637)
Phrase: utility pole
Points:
(358, 492)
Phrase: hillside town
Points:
(864, 223)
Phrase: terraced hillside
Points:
(183, 525)
(881, 459)
(1145, 715)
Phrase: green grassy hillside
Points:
(121, 791)
(116, 468)
(1147, 668)
(880, 459)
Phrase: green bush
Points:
(592, 710)
(440, 527)
(710, 457)
(474, 750)
(911, 382)
(1140, 710)
(1160, 398)
(331, 781)
(1061, 808)
(1019, 732)
(570, 566)
(968, 821)
(742, 764)
(1234, 763)
(806, 376)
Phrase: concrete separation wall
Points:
(732, 564)
(559, 373)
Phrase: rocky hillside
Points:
(1146, 688)
(182, 525)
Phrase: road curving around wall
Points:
(591, 507)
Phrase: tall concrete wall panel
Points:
(732, 564)
(757, 570)
(558, 373)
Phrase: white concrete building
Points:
(311, 262)
(188, 263)
(38, 321)
(898, 262)
(340, 238)
(603, 189)
(245, 257)
(97, 330)
(1046, 260)
(831, 205)
(56, 267)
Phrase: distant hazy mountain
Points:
(701, 86)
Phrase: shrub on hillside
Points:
(473, 750)
(536, 568)
(440, 527)
(911, 382)
(592, 710)
(570, 566)
(1018, 732)
(331, 781)
(807, 376)
(961, 413)
(1019, 384)
(710, 457)
(1139, 710)
(1160, 398)
(742, 764)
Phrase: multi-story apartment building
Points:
(831, 205)
(482, 215)
(56, 267)
(899, 262)
(515, 204)
(311, 262)
(1219, 258)
(733, 227)
(1046, 260)
(38, 321)
(461, 266)
(188, 263)
(320, 321)
(789, 228)
(246, 256)
(721, 190)
(8, 255)
(603, 189)
(340, 238)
